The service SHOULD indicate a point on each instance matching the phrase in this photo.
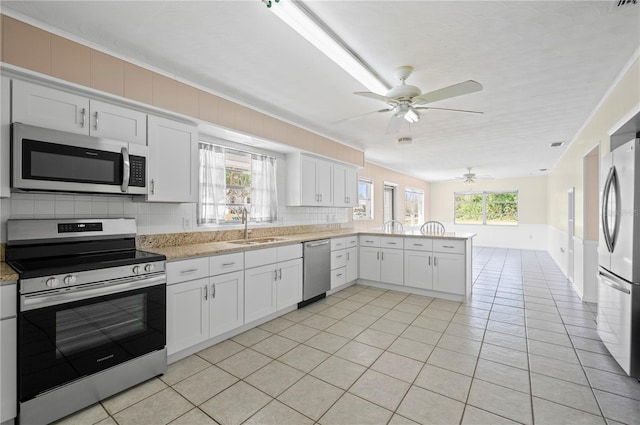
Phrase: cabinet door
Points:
(351, 187)
(187, 314)
(449, 273)
(352, 264)
(308, 191)
(289, 284)
(418, 269)
(227, 303)
(339, 186)
(324, 179)
(8, 368)
(117, 123)
(173, 161)
(46, 107)
(392, 266)
(369, 263)
(5, 137)
(259, 292)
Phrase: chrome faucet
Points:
(245, 221)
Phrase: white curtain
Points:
(264, 197)
(212, 184)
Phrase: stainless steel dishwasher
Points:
(317, 271)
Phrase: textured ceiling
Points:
(544, 67)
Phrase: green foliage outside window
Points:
(498, 208)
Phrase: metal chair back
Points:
(432, 228)
(393, 226)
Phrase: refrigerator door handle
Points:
(605, 210)
(615, 183)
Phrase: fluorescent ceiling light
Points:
(312, 30)
(411, 116)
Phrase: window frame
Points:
(484, 194)
(368, 217)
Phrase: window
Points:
(500, 208)
(389, 202)
(232, 180)
(414, 207)
(364, 210)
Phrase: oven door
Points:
(64, 342)
(52, 160)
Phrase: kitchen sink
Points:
(255, 241)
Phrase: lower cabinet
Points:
(187, 314)
(226, 303)
(352, 264)
(438, 271)
(271, 288)
(382, 265)
(418, 269)
(8, 352)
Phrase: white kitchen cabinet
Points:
(272, 287)
(8, 352)
(226, 302)
(309, 181)
(352, 264)
(173, 161)
(435, 264)
(47, 107)
(345, 186)
(5, 137)
(381, 259)
(187, 314)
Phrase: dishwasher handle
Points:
(319, 243)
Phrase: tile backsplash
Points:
(151, 218)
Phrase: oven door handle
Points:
(34, 301)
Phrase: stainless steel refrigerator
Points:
(618, 251)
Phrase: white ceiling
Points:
(544, 67)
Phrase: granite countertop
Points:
(180, 252)
(184, 251)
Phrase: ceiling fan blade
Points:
(448, 109)
(394, 124)
(454, 90)
(385, 99)
(363, 115)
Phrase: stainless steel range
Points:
(91, 313)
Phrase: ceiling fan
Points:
(405, 101)
(470, 177)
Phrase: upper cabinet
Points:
(173, 161)
(345, 186)
(5, 137)
(59, 110)
(317, 182)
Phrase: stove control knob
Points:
(149, 268)
(136, 270)
(52, 282)
(69, 279)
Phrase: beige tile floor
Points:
(522, 349)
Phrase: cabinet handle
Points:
(352, 242)
(228, 264)
(339, 274)
(435, 260)
(448, 246)
(82, 114)
(153, 186)
(417, 244)
(347, 256)
(382, 255)
(280, 274)
(369, 241)
(213, 291)
(275, 274)
(320, 197)
(96, 121)
(339, 256)
(378, 255)
(206, 292)
(391, 243)
(429, 260)
(187, 271)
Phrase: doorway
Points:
(389, 202)
(571, 227)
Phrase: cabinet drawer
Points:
(226, 263)
(184, 270)
(338, 243)
(8, 301)
(448, 245)
(289, 252)
(338, 277)
(366, 240)
(394, 243)
(418, 244)
(260, 257)
(338, 259)
(352, 241)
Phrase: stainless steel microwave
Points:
(52, 160)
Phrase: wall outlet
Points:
(186, 223)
